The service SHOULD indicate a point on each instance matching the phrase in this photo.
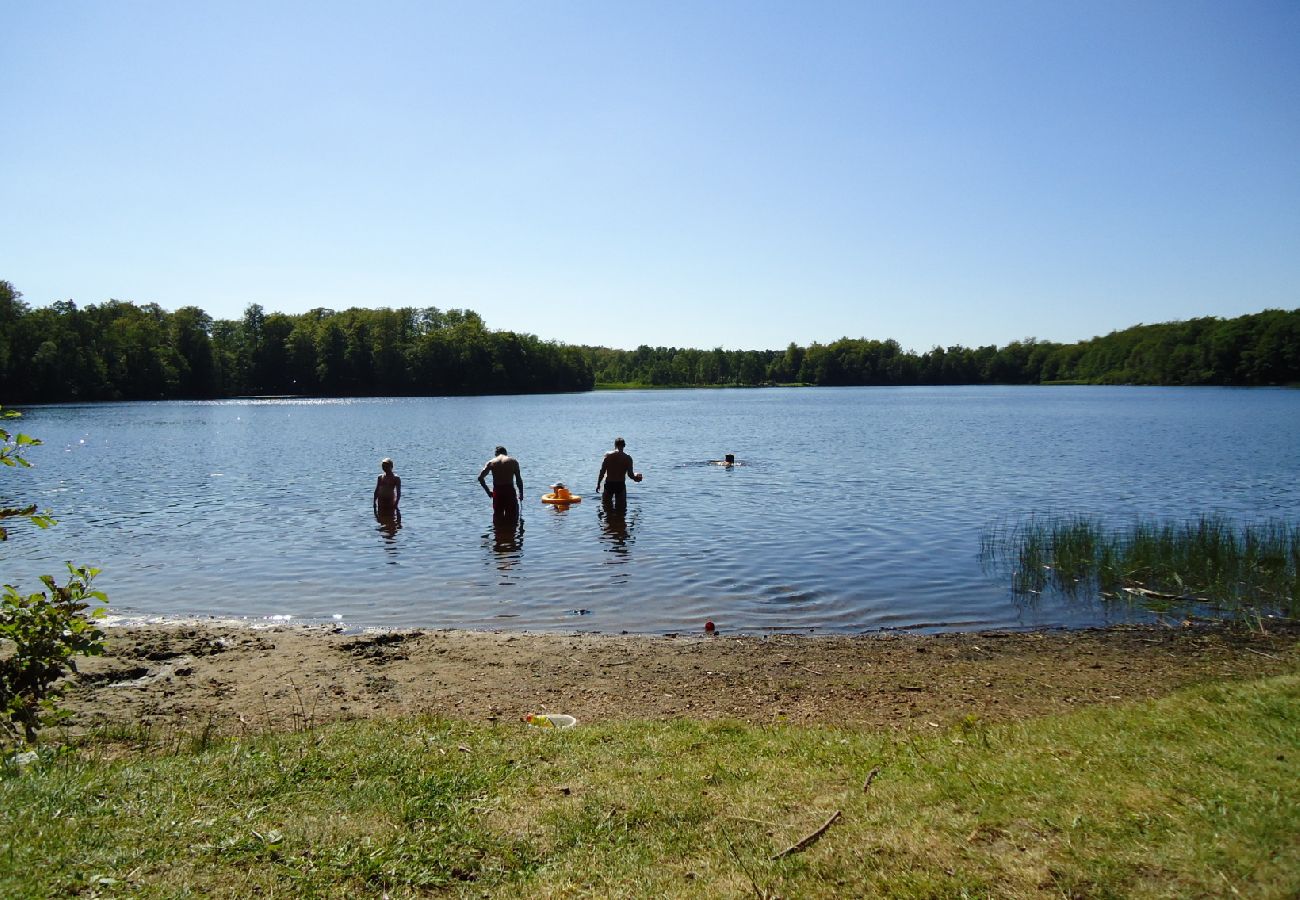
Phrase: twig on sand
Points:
(871, 776)
(806, 842)
(1261, 653)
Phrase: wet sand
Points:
(235, 679)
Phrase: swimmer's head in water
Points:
(619, 443)
(386, 464)
(501, 451)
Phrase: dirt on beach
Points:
(239, 679)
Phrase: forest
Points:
(1257, 349)
(117, 350)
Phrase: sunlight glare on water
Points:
(849, 510)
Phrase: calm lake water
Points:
(852, 509)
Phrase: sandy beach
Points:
(233, 679)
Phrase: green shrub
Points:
(11, 455)
(46, 630)
(41, 633)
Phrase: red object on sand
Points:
(709, 626)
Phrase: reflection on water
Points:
(265, 513)
(389, 523)
(506, 545)
(616, 538)
(616, 530)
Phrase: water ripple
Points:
(850, 509)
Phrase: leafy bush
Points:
(40, 633)
(11, 455)
(47, 629)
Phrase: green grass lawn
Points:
(1193, 795)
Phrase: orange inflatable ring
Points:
(561, 499)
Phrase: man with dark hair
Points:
(504, 469)
(614, 470)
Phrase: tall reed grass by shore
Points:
(1244, 569)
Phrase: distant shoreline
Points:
(123, 351)
(630, 386)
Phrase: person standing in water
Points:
(504, 469)
(615, 468)
(388, 490)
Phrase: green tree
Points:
(331, 358)
(300, 357)
(393, 332)
(191, 331)
(12, 310)
(41, 634)
(12, 447)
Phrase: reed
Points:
(1211, 561)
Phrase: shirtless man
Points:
(504, 469)
(614, 469)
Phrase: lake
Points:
(851, 509)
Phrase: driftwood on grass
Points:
(804, 843)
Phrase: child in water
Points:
(388, 489)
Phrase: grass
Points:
(1246, 569)
(1191, 795)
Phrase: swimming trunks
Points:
(615, 495)
(505, 503)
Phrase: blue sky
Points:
(693, 174)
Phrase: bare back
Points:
(616, 466)
(504, 469)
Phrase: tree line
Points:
(117, 350)
(1257, 349)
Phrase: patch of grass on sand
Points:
(1191, 795)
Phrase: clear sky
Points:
(674, 173)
